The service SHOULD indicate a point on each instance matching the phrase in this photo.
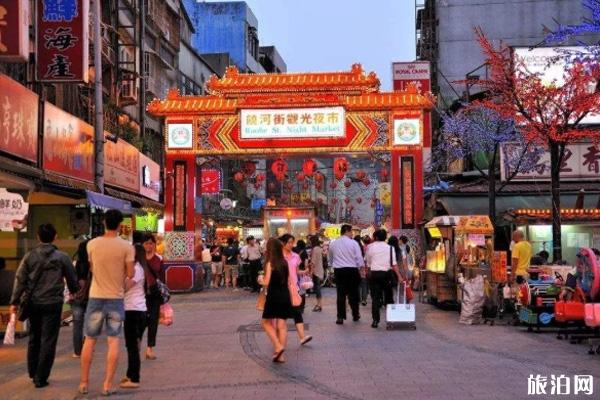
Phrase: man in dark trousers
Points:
(41, 275)
(346, 259)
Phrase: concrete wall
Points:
(516, 22)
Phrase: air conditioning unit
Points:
(129, 92)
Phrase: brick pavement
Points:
(216, 349)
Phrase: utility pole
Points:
(98, 101)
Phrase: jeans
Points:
(254, 267)
(78, 309)
(135, 323)
(100, 312)
(347, 281)
(153, 305)
(44, 324)
(364, 289)
(207, 274)
(380, 285)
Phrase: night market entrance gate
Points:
(319, 122)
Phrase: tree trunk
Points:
(556, 156)
(492, 187)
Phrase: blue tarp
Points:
(105, 202)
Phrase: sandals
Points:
(317, 309)
(277, 355)
(306, 340)
(108, 392)
(83, 389)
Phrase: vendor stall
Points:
(457, 246)
(298, 221)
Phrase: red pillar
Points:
(407, 187)
(180, 192)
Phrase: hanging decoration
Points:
(279, 169)
(361, 175)
(340, 168)
(238, 177)
(319, 185)
(347, 183)
(260, 178)
(319, 177)
(248, 168)
(300, 176)
(305, 186)
(366, 182)
(383, 174)
(309, 167)
(333, 185)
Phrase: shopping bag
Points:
(9, 335)
(409, 292)
(166, 315)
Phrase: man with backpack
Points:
(39, 290)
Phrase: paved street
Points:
(215, 349)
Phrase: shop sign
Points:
(180, 136)
(293, 123)
(13, 212)
(407, 132)
(581, 161)
(550, 64)
(333, 232)
(385, 194)
(18, 119)
(62, 40)
(149, 178)
(417, 73)
(68, 144)
(180, 196)
(211, 181)
(407, 171)
(121, 165)
(146, 223)
(14, 30)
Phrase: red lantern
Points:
(305, 186)
(279, 169)
(360, 175)
(366, 182)
(238, 177)
(384, 175)
(347, 183)
(340, 168)
(300, 176)
(319, 177)
(260, 178)
(318, 185)
(308, 167)
(249, 168)
(359, 200)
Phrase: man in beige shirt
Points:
(111, 261)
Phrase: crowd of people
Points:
(113, 287)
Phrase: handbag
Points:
(295, 297)
(159, 289)
(306, 282)
(24, 310)
(261, 300)
(166, 315)
(409, 292)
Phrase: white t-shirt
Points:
(135, 297)
(378, 256)
(206, 256)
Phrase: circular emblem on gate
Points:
(406, 132)
(226, 204)
(181, 135)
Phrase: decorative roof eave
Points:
(234, 84)
(176, 104)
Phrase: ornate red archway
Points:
(248, 114)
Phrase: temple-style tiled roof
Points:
(234, 84)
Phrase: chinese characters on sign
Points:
(408, 198)
(62, 40)
(68, 145)
(13, 211)
(407, 132)
(557, 385)
(581, 161)
(150, 175)
(180, 194)
(18, 119)
(121, 163)
(180, 136)
(14, 30)
(211, 181)
(293, 123)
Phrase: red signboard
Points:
(62, 40)
(68, 144)
(121, 165)
(408, 195)
(18, 119)
(14, 30)
(211, 181)
(180, 193)
(150, 178)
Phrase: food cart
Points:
(456, 246)
(298, 221)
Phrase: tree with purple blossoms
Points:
(475, 130)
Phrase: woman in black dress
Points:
(278, 306)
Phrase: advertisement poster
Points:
(121, 165)
(14, 30)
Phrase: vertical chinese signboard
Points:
(407, 179)
(179, 212)
(68, 146)
(18, 120)
(121, 164)
(62, 40)
(14, 30)
(211, 181)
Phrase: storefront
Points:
(327, 141)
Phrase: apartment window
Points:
(167, 56)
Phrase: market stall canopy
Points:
(479, 224)
(105, 202)
(445, 220)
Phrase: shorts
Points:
(100, 312)
(216, 268)
(232, 271)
